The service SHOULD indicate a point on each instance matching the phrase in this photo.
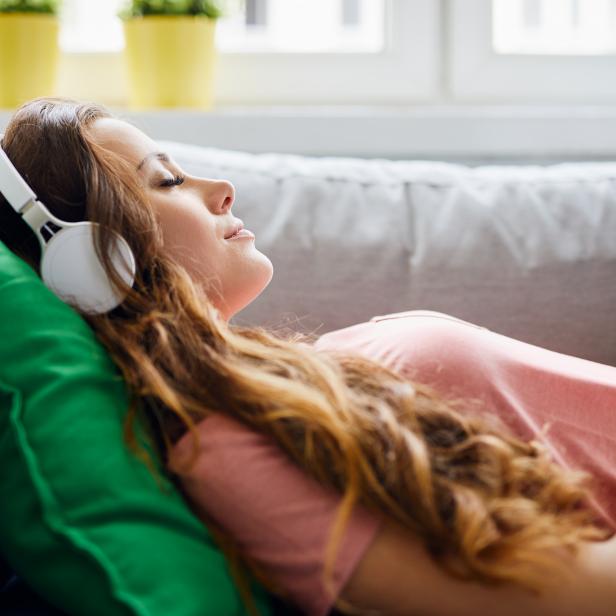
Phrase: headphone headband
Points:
(12, 185)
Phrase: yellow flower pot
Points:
(170, 61)
(29, 55)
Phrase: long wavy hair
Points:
(487, 505)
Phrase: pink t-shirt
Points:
(281, 517)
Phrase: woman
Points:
(434, 507)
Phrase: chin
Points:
(260, 278)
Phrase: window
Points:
(282, 51)
(394, 52)
(540, 51)
(331, 52)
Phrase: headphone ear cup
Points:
(71, 268)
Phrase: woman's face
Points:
(195, 215)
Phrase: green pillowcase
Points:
(81, 519)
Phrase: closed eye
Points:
(176, 181)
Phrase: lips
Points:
(243, 233)
(234, 230)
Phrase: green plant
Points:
(140, 8)
(30, 6)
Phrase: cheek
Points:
(188, 236)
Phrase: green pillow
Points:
(81, 519)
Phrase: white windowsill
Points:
(447, 132)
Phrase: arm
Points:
(397, 576)
(278, 516)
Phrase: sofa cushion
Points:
(82, 520)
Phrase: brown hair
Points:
(487, 505)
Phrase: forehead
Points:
(123, 138)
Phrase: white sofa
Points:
(526, 251)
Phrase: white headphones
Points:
(70, 266)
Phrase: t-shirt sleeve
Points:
(279, 515)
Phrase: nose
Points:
(219, 195)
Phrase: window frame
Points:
(479, 74)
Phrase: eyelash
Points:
(176, 181)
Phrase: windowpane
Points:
(283, 26)
(289, 26)
(91, 26)
(567, 27)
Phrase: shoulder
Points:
(425, 345)
(397, 324)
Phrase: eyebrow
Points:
(160, 155)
